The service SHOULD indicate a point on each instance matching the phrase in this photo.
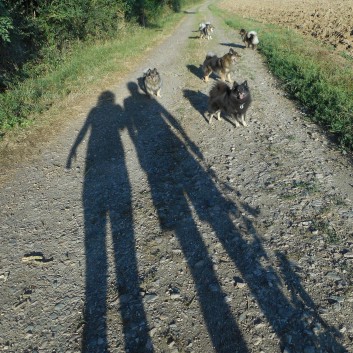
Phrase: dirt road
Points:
(142, 228)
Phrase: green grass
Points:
(312, 73)
(80, 66)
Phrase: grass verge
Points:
(82, 66)
(317, 77)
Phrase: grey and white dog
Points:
(206, 28)
(251, 38)
(152, 82)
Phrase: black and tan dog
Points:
(233, 101)
(152, 82)
(249, 38)
(221, 66)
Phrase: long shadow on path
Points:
(179, 184)
(180, 188)
(106, 199)
(173, 175)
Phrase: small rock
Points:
(333, 275)
(150, 298)
(200, 264)
(59, 306)
(309, 349)
(153, 331)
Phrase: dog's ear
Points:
(231, 51)
(235, 85)
(245, 83)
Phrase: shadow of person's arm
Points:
(172, 121)
(79, 138)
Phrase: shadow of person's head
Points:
(106, 98)
(133, 87)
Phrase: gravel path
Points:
(142, 228)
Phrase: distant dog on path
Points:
(249, 38)
(206, 29)
(152, 82)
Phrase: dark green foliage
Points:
(38, 36)
(32, 30)
(5, 24)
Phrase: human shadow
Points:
(179, 183)
(173, 180)
(106, 199)
(234, 45)
(198, 100)
(326, 336)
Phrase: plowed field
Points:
(329, 21)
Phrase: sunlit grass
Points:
(318, 78)
(83, 65)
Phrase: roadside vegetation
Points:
(318, 77)
(50, 49)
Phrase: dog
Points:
(233, 101)
(205, 30)
(152, 82)
(221, 66)
(249, 38)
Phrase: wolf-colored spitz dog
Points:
(221, 66)
(233, 101)
(152, 82)
(249, 38)
(206, 29)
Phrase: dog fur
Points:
(205, 30)
(249, 38)
(233, 101)
(221, 66)
(152, 82)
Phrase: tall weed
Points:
(319, 79)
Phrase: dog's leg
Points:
(243, 120)
(235, 116)
(218, 115)
(210, 116)
(159, 93)
(207, 74)
(228, 77)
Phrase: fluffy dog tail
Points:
(252, 35)
(210, 55)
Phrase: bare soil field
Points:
(328, 21)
